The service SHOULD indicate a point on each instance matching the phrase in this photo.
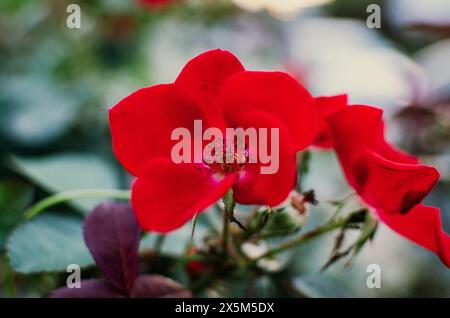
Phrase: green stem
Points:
(9, 281)
(226, 223)
(194, 223)
(158, 247)
(73, 195)
(229, 203)
(159, 243)
(328, 227)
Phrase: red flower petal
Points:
(205, 75)
(357, 128)
(387, 179)
(142, 123)
(155, 3)
(253, 187)
(383, 176)
(327, 106)
(390, 186)
(276, 93)
(166, 195)
(421, 225)
(388, 151)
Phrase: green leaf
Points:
(367, 233)
(49, 242)
(284, 222)
(22, 119)
(357, 218)
(367, 225)
(14, 197)
(69, 171)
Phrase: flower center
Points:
(223, 157)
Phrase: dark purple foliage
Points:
(112, 236)
(156, 286)
(90, 288)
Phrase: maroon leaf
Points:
(90, 288)
(112, 235)
(156, 286)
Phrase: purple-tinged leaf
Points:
(156, 286)
(112, 235)
(90, 288)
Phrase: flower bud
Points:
(195, 268)
(255, 250)
(289, 216)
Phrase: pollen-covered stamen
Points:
(224, 157)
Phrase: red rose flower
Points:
(155, 3)
(392, 182)
(214, 88)
(326, 107)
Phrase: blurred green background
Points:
(57, 83)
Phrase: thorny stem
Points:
(341, 203)
(160, 238)
(226, 222)
(303, 159)
(73, 195)
(194, 223)
(229, 203)
(328, 227)
(159, 243)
